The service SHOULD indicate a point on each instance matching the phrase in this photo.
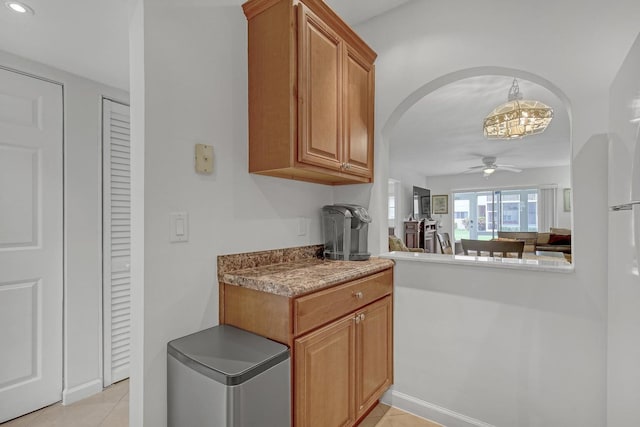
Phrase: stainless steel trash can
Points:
(227, 377)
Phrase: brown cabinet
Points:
(420, 234)
(412, 234)
(341, 340)
(374, 353)
(311, 94)
(324, 376)
(343, 368)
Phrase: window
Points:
(479, 215)
(393, 217)
(392, 209)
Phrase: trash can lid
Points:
(227, 354)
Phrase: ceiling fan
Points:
(489, 166)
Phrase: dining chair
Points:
(445, 243)
(492, 246)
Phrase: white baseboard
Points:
(79, 392)
(430, 411)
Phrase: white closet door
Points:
(116, 202)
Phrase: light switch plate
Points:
(204, 159)
(179, 227)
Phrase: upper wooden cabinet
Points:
(311, 94)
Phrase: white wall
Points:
(83, 224)
(481, 346)
(192, 80)
(446, 184)
(548, 330)
(623, 349)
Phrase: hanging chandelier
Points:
(517, 117)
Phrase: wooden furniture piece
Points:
(412, 237)
(445, 243)
(420, 234)
(341, 341)
(429, 236)
(311, 94)
(492, 246)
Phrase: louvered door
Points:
(116, 202)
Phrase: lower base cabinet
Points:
(324, 378)
(341, 340)
(344, 367)
(374, 354)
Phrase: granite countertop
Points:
(298, 277)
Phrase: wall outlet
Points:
(302, 226)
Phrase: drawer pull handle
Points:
(358, 295)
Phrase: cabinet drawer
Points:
(322, 307)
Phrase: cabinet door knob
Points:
(362, 317)
(358, 295)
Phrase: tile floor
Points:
(111, 409)
(107, 409)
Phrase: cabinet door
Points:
(374, 350)
(358, 119)
(324, 376)
(411, 240)
(319, 92)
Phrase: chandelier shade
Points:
(517, 117)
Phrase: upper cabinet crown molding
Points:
(311, 94)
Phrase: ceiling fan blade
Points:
(500, 165)
(477, 167)
(509, 169)
(474, 170)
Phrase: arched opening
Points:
(436, 142)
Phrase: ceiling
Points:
(91, 38)
(87, 38)
(447, 125)
(357, 11)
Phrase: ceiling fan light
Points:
(19, 7)
(517, 117)
(489, 170)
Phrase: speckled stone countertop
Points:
(281, 273)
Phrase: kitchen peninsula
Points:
(336, 317)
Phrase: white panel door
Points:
(116, 205)
(30, 244)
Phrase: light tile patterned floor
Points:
(107, 409)
(111, 409)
